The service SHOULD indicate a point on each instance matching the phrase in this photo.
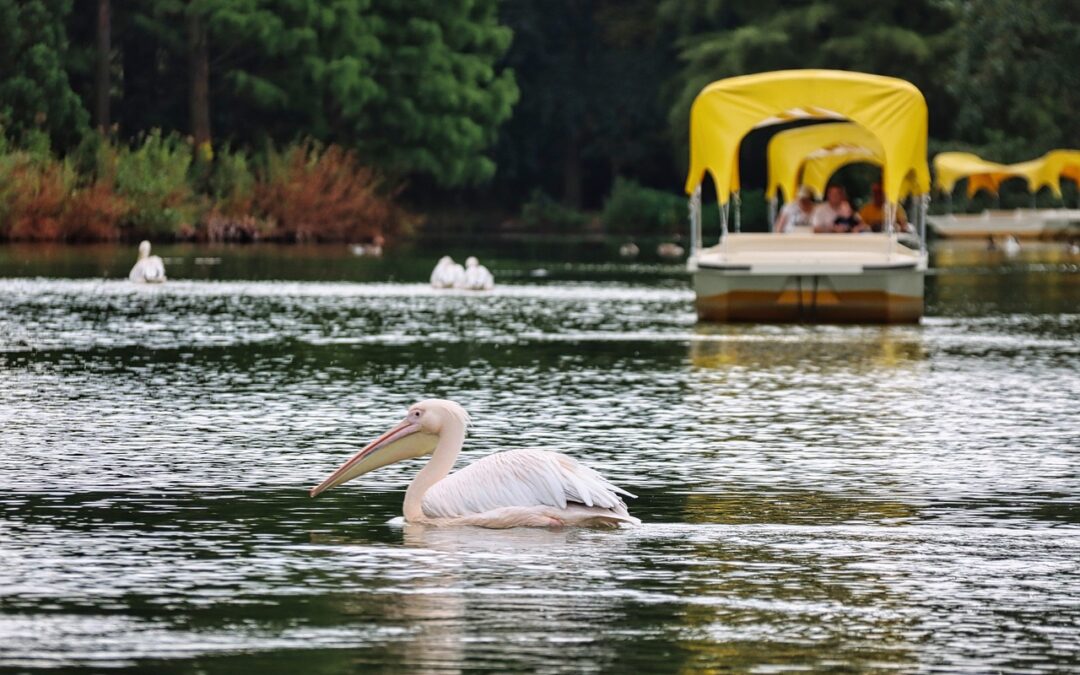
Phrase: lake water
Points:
(850, 498)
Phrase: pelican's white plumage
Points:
(149, 268)
(514, 488)
(521, 478)
(476, 277)
(447, 273)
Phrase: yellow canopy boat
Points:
(1044, 172)
(822, 277)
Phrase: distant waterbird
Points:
(447, 273)
(476, 277)
(513, 488)
(670, 251)
(1011, 246)
(629, 250)
(149, 269)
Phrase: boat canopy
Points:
(1058, 164)
(951, 167)
(817, 152)
(1046, 171)
(891, 110)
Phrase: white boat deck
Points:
(753, 253)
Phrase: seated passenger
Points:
(795, 216)
(835, 213)
(873, 212)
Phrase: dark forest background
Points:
(352, 119)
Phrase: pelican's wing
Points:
(521, 478)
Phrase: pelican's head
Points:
(144, 250)
(471, 261)
(415, 436)
(445, 260)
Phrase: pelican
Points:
(447, 273)
(148, 269)
(629, 250)
(476, 277)
(670, 251)
(1011, 246)
(513, 488)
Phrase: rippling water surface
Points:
(858, 497)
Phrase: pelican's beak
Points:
(405, 441)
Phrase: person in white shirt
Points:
(835, 213)
(149, 269)
(477, 277)
(796, 215)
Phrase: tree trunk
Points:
(199, 57)
(572, 172)
(102, 84)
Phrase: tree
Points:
(1017, 75)
(35, 93)
(103, 58)
(909, 39)
(592, 77)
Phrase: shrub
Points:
(542, 213)
(93, 213)
(311, 193)
(635, 210)
(152, 178)
(35, 197)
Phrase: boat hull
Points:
(869, 278)
(1021, 223)
(895, 296)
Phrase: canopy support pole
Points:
(737, 206)
(948, 201)
(694, 205)
(890, 227)
(724, 221)
(773, 205)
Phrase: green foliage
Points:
(636, 210)
(1017, 76)
(35, 95)
(544, 214)
(912, 40)
(153, 177)
(593, 76)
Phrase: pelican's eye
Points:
(414, 415)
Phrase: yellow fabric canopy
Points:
(1046, 171)
(1058, 164)
(817, 152)
(891, 110)
(951, 167)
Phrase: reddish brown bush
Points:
(93, 214)
(314, 194)
(35, 200)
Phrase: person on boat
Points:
(835, 213)
(477, 277)
(447, 273)
(872, 213)
(149, 269)
(796, 215)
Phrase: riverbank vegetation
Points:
(299, 120)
